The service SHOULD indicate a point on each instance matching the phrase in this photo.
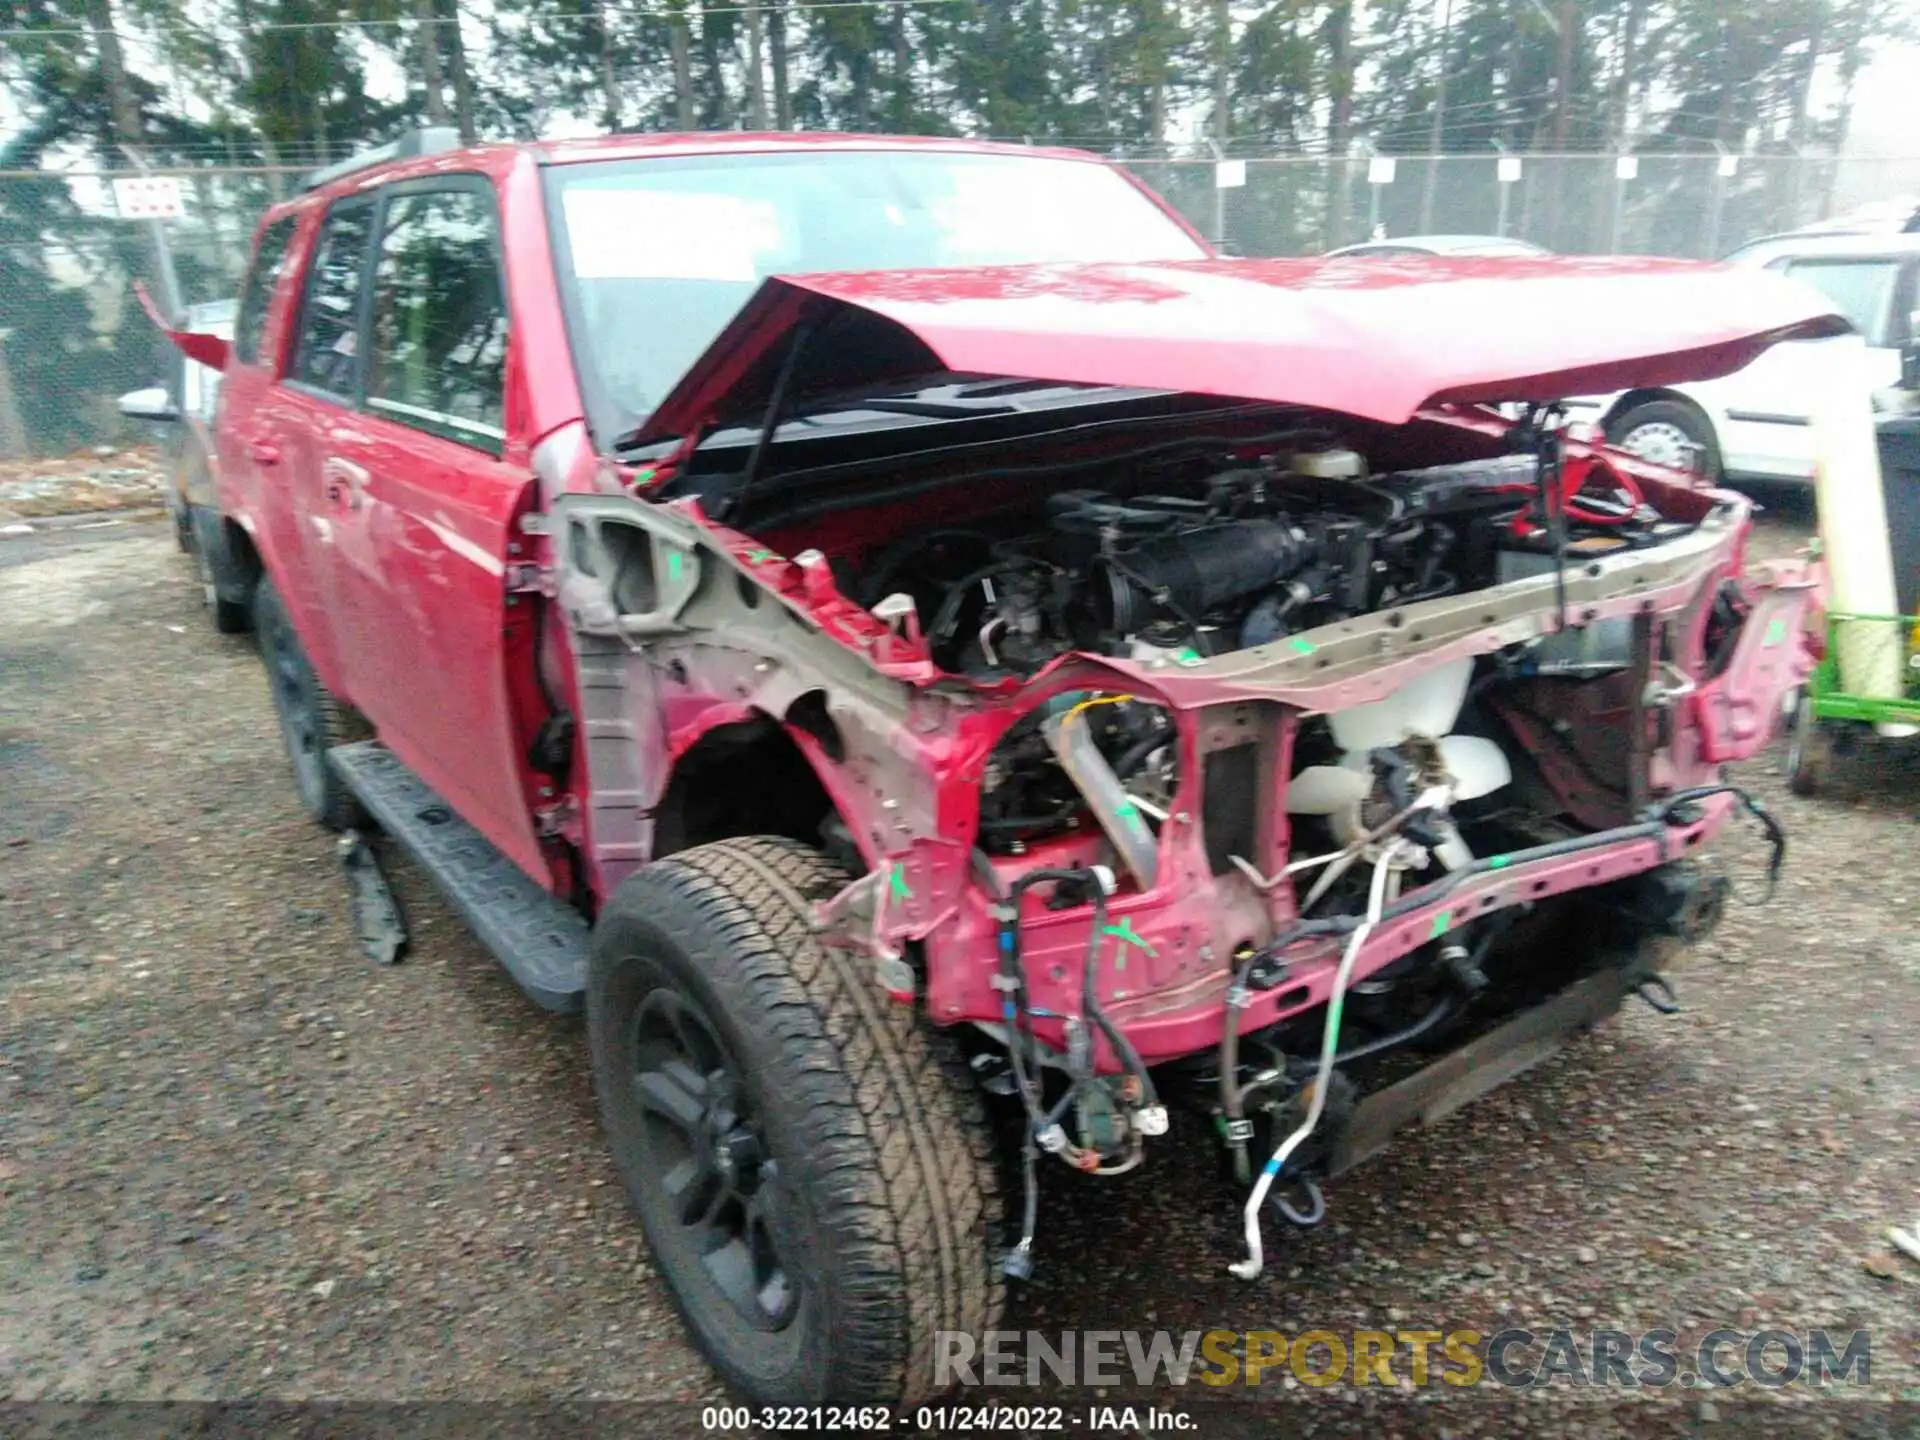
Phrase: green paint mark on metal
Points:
(644, 476)
(1499, 862)
(1305, 647)
(898, 882)
(674, 562)
(760, 557)
(1776, 632)
(1129, 814)
(1190, 656)
(1127, 935)
(1439, 925)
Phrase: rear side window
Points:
(269, 261)
(327, 355)
(1862, 290)
(439, 337)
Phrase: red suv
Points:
(902, 633)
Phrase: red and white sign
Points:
(149, 197)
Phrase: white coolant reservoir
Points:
(1853, 521)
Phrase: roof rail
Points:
(429, 140)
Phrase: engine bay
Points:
(1198, 559)
(1204, 563)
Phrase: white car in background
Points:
(1756, 424)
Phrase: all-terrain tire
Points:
(312, 720)
(888, 1191)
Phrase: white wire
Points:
(1250, 1268)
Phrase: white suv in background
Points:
(1756, 424)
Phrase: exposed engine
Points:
(1251, 556)
(1230, 560)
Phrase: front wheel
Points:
(808, 1159)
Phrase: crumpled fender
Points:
(209, 350)
(1735, 713)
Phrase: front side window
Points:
(327, 355)
(256, 292)
(438, 350)
(1861, 290)
(655, 256)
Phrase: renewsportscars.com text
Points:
(1513, 1358)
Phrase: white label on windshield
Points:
(622, 234)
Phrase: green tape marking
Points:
(1127, 935)
(674, 561)
(1776, 632)
(644, 476)
(898, 883)
(1499, 862)
(1128, 813)
(1305, 647)
(1190, 656)
(1439, 925)
(759, 557)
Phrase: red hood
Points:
(1363, 336)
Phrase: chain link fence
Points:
(72, 337)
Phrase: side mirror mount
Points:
(152, 403)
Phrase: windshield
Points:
(655, 256)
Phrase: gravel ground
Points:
(237, 1161)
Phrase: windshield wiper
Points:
(776, 403)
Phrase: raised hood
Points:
(1363, 336)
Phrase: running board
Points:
(541, 941)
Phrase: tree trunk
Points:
(756, 67)
(609, 75)
(901, 116)
(427, 38)
(1623, 86)
(1339, 33)
(1563, 77)
(782, 93)
(13, 434)
(1437, 132)
(456, 53)
(113, 71)
(719, 102)
(1222, 71)
(681, 44)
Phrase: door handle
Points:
(264, 452)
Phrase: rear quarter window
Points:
(256, 292)
(327, 353)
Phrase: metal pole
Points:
(1219, 196)
(1619, 214)
(1716, 200)
(1506, 190)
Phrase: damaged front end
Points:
(1226, 748)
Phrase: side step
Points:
(541, 941)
